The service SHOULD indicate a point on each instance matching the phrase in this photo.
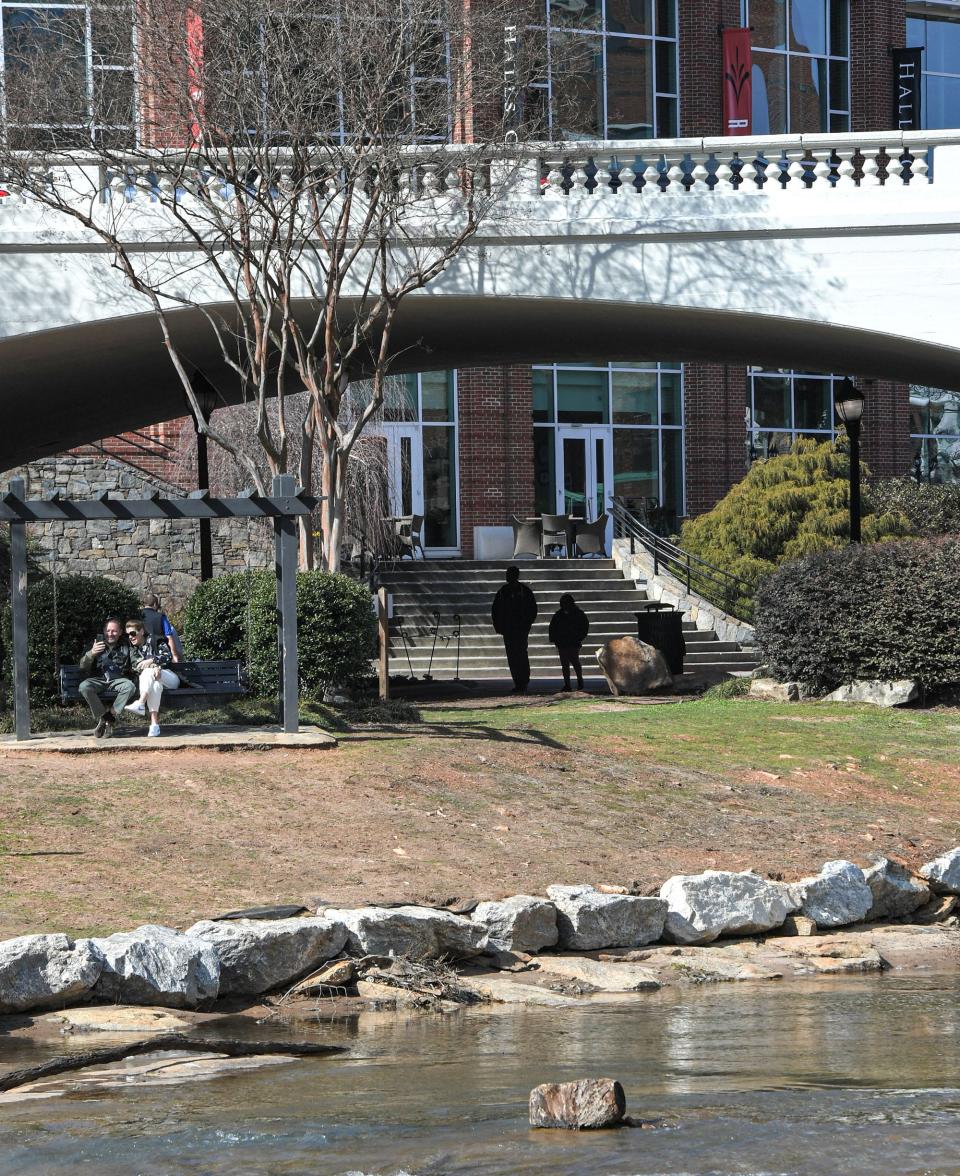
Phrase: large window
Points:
(801, 65)
(783, 405)
(940, 40)
(935, 432)
(641, 407)
(610, 68)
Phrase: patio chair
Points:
(407, 531)
(590, 538)
(526, 537)
(555, 533)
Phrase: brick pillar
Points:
(885, 442)
(875, 27)
(701, 93)
(714, 408)
(496, 447)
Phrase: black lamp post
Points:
(207, 401)
(848, 401)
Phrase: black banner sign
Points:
(907, 75)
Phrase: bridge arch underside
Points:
(79, 383)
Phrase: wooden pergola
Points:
(284, 506)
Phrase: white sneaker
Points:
(136, 708)
(154, 729)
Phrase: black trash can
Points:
(662, 627)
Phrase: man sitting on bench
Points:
(108, 663)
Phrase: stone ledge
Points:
(179, 739)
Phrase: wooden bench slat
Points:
(214, 677)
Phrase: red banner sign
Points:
(737, 82)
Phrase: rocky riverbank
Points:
(573, 942)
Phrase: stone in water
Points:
(583, 1105)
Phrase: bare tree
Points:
(308, 164)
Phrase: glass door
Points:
(584, 472)
(405, 469)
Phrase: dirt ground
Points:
(471, 802)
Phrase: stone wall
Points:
(158, 555)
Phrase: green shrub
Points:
(83, 604)
(930, 509)
(887, 611)
(786, 507)
(235, 616)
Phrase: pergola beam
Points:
(14, 508)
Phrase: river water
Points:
(844, 1077)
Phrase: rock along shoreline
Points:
(575, 941)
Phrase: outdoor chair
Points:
(407, 532)
(526, 537)
(556, 533)
(590, 538)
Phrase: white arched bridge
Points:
(831, 253)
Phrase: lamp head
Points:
(848, 401)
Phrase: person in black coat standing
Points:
(513, 611)
(569, 627)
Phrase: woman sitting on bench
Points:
(151, 659)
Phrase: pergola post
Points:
(18, 601)
(285, 554)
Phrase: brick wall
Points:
(701, 94)
(496, 447)
(885, 437)
(714, 408)
(876, 26)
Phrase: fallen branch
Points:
(169, 1041)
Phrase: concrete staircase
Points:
(421, 588)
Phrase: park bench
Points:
(209, 680)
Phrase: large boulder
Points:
(155, 965)
(519, 923)
(896, 891)
(416, 932)
(589, 1103)
(943, 873)
(256, 955)
(702, 907)
(876, 693)
(45, 971)
(588, 920)
(838, 895)
(633, 667)
(770, 690)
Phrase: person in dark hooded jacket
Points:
(513, 612)
(569, 627)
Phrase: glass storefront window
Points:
(439, 486)
(577, 99)
(935, 432)
(401, 399)
(542, 395)
(769, 95)
(636, 466)
(672, 494)
(769, 21)
(808, 26)
(940, 40)
(631, 16)
(772, 403)
(784, 405)
(545, 470)
(437, 392)
(671, 398)
(813, 403)
(583, 397)
(634, 398)
(629, 90)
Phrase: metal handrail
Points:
(690, 569)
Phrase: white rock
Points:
(519, 923)
(943, 873)
(155, 965)
(604, 975)
(838, 895)
(876, 692)
(417, 932)
(588, 920)
(43, 971)
(256, 955)
(702, 907)
(896, 892)
(770, 690)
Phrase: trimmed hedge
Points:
(931, 509)
(334, 619)
(83, 604)
(887, 611)
(786, 507)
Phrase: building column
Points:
(495, 408)
(874, 30)
(886, 428)
(715, 433)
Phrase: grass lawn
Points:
(480, 798)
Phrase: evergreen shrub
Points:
(886, 611)
(83, 604)
(235, 616)
(786, 507)
(931, 509)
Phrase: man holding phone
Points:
(109, 688)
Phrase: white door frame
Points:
(396, 434)
(595, 476)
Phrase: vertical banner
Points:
(907, 76)
(194, 32)
(737, 82)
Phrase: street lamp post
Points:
(848, 401)
(207, 400)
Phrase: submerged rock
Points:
(943, 873)
(519, 923)
(702, 907)
(838, 895)
(156, 965)
(43, 971)
(583, 1105)
(588, 920)
(417, 932)
(256, 955)
(896, 892)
